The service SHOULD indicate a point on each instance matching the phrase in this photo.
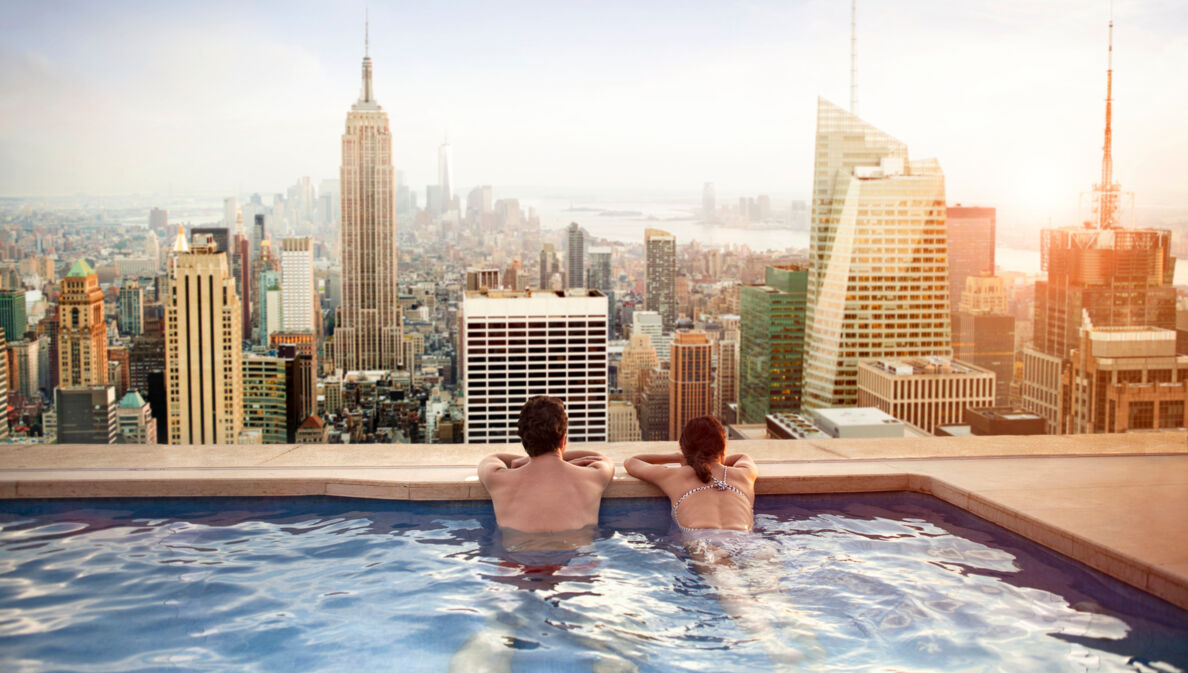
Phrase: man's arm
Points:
(495, 463)
(593, 459)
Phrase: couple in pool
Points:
(547, 502)
(549, 499)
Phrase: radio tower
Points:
(1106, 192)
(854, 57)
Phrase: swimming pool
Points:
(837, 583)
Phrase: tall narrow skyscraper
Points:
(575, 256)
(445, 174)
(878, 284)
(660, 276)
(203, 354)
(82, 331)
(690, 381)
(368, 325)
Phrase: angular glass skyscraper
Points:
(878, 283)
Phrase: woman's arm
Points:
(651, 467)
(661, 458)
(741, 461)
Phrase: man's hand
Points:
(585, 461)
(519, 462)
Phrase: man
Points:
(549, 490)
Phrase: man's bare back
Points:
(546, 493)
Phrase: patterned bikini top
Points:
(716, 484)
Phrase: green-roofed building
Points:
(80, 269)
(771, 352)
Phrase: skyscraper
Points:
(158, 219)
(367, 333)
(13, 315)
(970, 232)
(131, 313)
(878, 282)
(202, 350)
(690, 381)
(516, 345)
(660, 276)
(297, 284)
(575, 256)
(264, 400)
(82, 331)
(1111, 275)
(3, 386)
(771, 354)
(600, 279)
(984, 333)
(445, 174)
(231, 217)
(709, 202)
(548, 265)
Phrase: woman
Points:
(713, 498)
(710, 491)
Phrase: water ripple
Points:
(829, 584)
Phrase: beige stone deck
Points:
(1118, 503)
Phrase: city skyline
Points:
(639, 97)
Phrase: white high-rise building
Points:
(519, 344)
(297, 284)
(367, 334)
(878, 284)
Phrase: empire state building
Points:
(367, 332)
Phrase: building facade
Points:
(660, 276)
(1124, 379)
(264, 398)
(516, 345)
(131, 309)
(82, 331)
(970, 235)
(772, 335)
(690, 382)
(87, 415)
(924, 393)
(878, 282)
(297, 284)
(13, 313)
(575, 256)
(203, 354)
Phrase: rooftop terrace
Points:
(1118, 503)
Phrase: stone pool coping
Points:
(1118, 503)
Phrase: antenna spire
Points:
(365, 94)
(1107, 197)
(854, 57)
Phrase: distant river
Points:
(626, 222)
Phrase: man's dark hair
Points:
(542, 425)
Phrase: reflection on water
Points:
(827, 584)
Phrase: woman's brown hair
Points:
(703, 442)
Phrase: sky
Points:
(121, 97)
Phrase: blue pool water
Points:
(834, 583)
